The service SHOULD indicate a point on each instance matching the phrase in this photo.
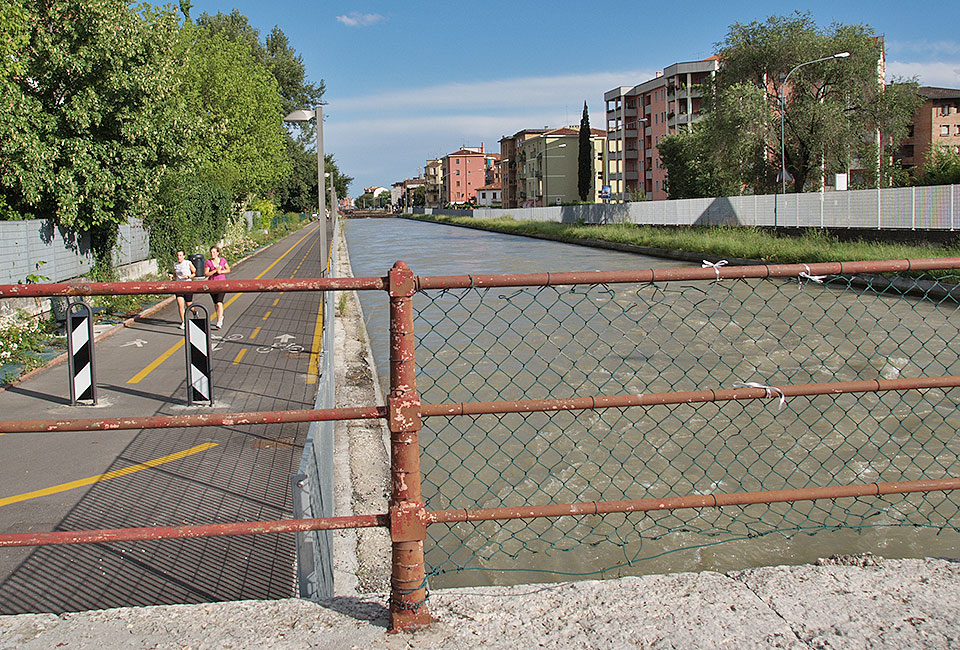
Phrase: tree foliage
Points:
(85, 112)
(829, 108)
(111, 110)
(584, 157)
(237, 104)
(941, 167)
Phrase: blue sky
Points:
(411, 81)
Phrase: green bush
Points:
(194, 212)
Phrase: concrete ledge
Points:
(883, 604)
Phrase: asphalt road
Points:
(118, 479)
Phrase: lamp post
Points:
(305, 115)
(783, 119)
(545, 156)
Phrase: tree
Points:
(585, 157)
(419, 196)
(827, 108)
(87, 114)
(941, 167)
(722, 155)
(237, 105)
(277, 56)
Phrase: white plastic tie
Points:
(770, 390)
(816, 278)
(715, 267)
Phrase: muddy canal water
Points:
(529, 343)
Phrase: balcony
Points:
(630, 112)
(633, 176)
(631, 154)
(631, 134)
(696, 91)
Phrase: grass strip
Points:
(812, 245)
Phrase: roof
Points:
(569, 130)
(491, 186)
(467, 152)
(932, 92)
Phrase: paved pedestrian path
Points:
(119, 479)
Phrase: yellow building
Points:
(547, 167)
(431, 174)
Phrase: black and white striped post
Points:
(197, 335)
(83, 376)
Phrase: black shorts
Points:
(217, 297)
(188, 297)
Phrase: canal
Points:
(476, 345)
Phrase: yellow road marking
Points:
(267, 315)
(179, 344)
(313, 368)
(255, 332)
(240, 356)
(153, 366)
(63, 487)
(275, 301)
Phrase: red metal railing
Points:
(407, 518)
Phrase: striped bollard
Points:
(197, 334)
(83, 377)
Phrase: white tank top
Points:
(182, 269)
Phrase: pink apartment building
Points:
(465, 171)
(638, 117)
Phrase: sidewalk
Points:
(887, 604)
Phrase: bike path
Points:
(116, 479)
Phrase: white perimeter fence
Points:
(912, 208)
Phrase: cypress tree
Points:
(585, 158)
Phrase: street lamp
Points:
(305, 115)
(783, 119)
(545, 156)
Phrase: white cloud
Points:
(384, 137)
(931, 48)
(942, 74)
(357, 19)
(500, 94)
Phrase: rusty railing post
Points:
(408, 529)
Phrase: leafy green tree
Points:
(277, 56)
(419, 196)
(830, 106)
(236, 103)
(584, 157)
(722, 155)
(941, 167)
(86, 113)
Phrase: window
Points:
(945, 110)
(944, 130)
(957, 132)
(458, 183)
(458, 172)
(456, 160)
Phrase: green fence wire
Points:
(540, 342)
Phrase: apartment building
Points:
(490, 196)
(401, 192)
(464, 171)
(935, 124)
(432, 174)
(548, 167)
(509, 170)
(638, 117)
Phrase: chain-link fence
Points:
(564, 341)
